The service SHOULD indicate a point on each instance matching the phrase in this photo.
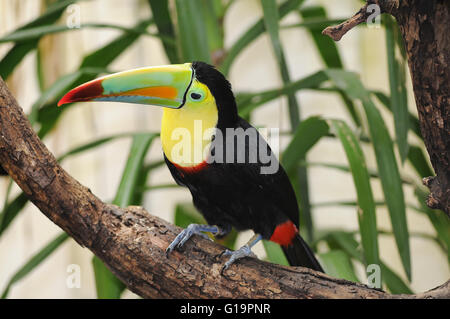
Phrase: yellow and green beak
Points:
(162, 85)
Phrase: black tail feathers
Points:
(299, 254)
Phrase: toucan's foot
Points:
(192, 229)
(244, 251)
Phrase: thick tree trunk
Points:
(132, 243)
(425, 27)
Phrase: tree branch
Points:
(338, 31)
(132, 242)
(424, 26)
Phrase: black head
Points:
(221, 90)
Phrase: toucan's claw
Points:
(192, 229)
(244, 251)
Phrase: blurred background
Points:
(285, 75)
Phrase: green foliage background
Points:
(193, 30)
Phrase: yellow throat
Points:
(186, 133)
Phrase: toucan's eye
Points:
(196, 96)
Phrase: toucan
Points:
(234, 177)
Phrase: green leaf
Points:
(345, 203)
(326, 47)
(337, 264)
(390, 182)
(416, 155)
(161, 15)
(393, 281)
(413, 124)
(248, 102)
(186, 214)
(138, 194)
(301, 188)
(108, 286)
(366, 205)
(154, 165)
(102, 57)
(56, 8)
(274, 253)
(397, 85)
(386, 162)
(307, 134)
(160, 186)
(130, 175)
(345, 241)
(39, 70)
(6, 201)
(15, 55)
(271, 18)
(214, 27)
(419, 161)
(254, 32)
(344, 168)
(11, 210)
(312, 24)
(192, 31)
(438, 219)
(339, 167)
(40, 31)
(328, 51)
(93, 144)
(35, 261)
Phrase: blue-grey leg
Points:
(242, 252)
(192, 229)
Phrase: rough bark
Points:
(425, 26)
(132, 242)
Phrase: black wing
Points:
(264, 176)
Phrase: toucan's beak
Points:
(162, 85)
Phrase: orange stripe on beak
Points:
(164, 92)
